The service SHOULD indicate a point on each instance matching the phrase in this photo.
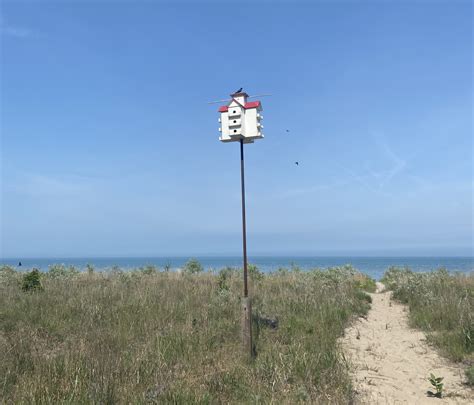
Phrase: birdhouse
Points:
(241, 119)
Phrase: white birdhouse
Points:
(241, 119)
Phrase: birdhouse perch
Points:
(241, 119)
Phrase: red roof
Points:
(251, 104)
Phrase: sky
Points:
(110, 148)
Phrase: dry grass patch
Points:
(148, 336)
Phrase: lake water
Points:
(373, 266)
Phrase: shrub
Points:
(61, 271)
(149, 270)
(31, 281)
(365, 283)
(254, 273)
(193, 266)
(224, 277)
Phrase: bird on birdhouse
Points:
(240, 119)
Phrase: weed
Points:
(437, 384)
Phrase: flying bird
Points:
(287, 130)
(297, 163)
(238, 91)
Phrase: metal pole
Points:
(244, 226)
(246, 303)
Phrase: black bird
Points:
(238, 91)
(19, 263)
(297, 163)
(287, 130)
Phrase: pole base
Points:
(246, 306)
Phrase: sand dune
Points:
(391, 362)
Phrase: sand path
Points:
(391, 361)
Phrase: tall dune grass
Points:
(442, 304)
(159, 337)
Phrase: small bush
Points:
(61, 271)
(149, 270)
(223, 278)
(365, 283)
(192, 267)
(31, 281)
(254, 273)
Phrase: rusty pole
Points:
(246, 304)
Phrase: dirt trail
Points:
(391, 361)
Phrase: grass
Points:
(442, 304)
(162, 337)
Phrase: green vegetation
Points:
(149, 270)
(442, 304)
(89, 268)
(31, 281)
(162, 337)
(437, 384)
(192, 266)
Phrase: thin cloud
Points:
(377, 180)
(398, 164)
(360, 179)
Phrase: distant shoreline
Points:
(372, 266)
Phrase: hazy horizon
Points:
(239, 254)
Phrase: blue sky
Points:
(110, 148)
